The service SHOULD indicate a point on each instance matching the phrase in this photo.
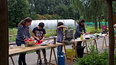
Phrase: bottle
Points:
(81, 37)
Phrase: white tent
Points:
(52, 24)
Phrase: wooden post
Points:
(3, 32)
(111, 33)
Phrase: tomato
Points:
(40, 41)
(30, 40)
(26, 40)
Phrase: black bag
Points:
(80, 51)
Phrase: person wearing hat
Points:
(80, 29)
(39, 35)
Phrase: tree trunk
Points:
(95, 15)
(111, 33)
(99, 23)
(4, 32)
(105, 22)
(95, 24)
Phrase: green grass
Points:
(12, 31)
(50, 32)
(92, 29)
(69, 53)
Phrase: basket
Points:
(29, 43)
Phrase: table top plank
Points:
(19, 49)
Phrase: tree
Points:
(17, 10)
(89, 9)
(63, 8)
(114, 7)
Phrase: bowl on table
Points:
(29, 43)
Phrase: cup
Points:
(22, 45)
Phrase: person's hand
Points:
(32, 38)
(66, 28)
(37, 38)
(41, 39)
(82, 33)
(86, 33)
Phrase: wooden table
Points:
(74, 44)
(104, 41)
(18, 50)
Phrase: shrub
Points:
(94, 58)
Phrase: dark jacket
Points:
(79, 31)
(23, 33)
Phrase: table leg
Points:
(37, 61)
(86, 46)
(65, 52)
(75, 49)
(72, 55)
(55, 56)
(50, 56)
(12, 60)
(96, 44)
(103, 43)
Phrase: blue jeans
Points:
(21, 60)
(18, 42)
(59, 48)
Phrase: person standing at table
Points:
(80, 29)
(39, 35)
(60, 34)
(23, 33)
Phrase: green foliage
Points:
(92, 30)
(34, 16)
(94, 58)
(54, 16)
(114, 7)
(69, 53)
(50, 32)
(63, 8)
(47, 16)
(12, 34)
(90, 9)
(17, 10)
(41, 17)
